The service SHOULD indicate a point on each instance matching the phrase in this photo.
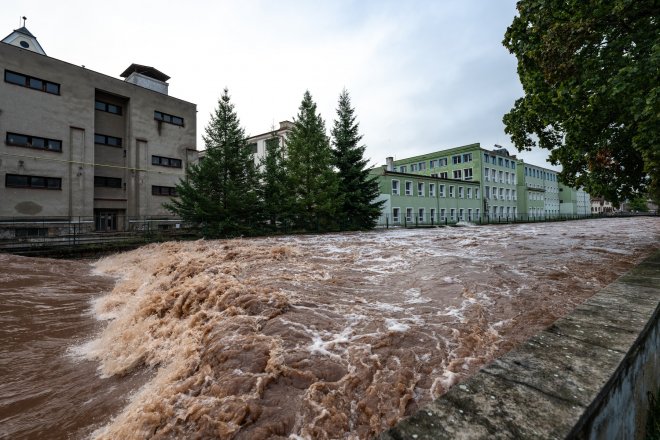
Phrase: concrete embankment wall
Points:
(585, 377)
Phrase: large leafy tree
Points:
(359, 189)
(590, 73)
(274, 194)
(312, 183)
(220, 192)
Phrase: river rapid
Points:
(332, 336)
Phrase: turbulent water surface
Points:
(333, 336)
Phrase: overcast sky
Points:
(423, 75)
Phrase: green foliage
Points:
(638, 204)
(589, 70)
(220, 193)
(359, 209)
(274, 194)
(312, 184)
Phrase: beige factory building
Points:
(79, 144)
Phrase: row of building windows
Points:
(40, 143)
(32, 82)
(432, 215)
(500, 193)
(104, 139)
(540, 174)
(421, 190)
(435, 163)
(55, 183)
(107, 107)
(170, 119)
(504, 176)
(166, 161)
(499, 161)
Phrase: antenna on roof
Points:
(24, 20)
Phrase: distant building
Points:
(601, 206)
(78, 143)
(257, 144)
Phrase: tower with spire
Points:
(24, 39)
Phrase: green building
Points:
(539, 191)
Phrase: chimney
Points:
(389, 162)
(147, 77)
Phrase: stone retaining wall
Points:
(586, 377)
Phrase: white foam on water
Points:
(394, 325)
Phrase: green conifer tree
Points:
(359, 189)
(220, 192)
(274, 194)
(312, 183)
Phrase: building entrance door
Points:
(106, 220)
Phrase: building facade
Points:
(539, 188)
(77, 143)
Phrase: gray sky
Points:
(423, 75)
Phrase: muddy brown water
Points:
(333, 336)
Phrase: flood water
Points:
(333, 336)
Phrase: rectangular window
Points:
(163, 191)
(501, 174)
(31, 82)
(442, 190)
(513, 165)
(486, 174)
(170, 119)
(456, 159)
(24, 140)
(422, 166)
(506, 177)
(420, 215)
(432, 189)
(396, 214)
(492, 175)
(253, 148)
(166, 161)
(432, 214)
(487, 192)
(467, 174)
(460, 192)
(403, 169)
(36, 182)
(469, 193)
(395, 187)
(500, 161)
(506, 163)
(477, 213)
(451, 190)
(476, 193)
(443, 213)
(452, 214)
(469, 217)
(409, 214)
(413, 167)
(508, 194)
(501, 193)
(409, 188)
(467, 157)
(442, 162)
(30, 232)
(457, 174)
(103, 139)
(107, 182)
(107, 107)
(433, 163)
(420, 189)
(442, 175)
(486, 158)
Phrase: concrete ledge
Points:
(586, 376)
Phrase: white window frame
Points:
(451, 191)
(441, 190)
(409, 214)
(398, 187)
(396, 218)
(420, 215)
(468, 192)
(420, 193)
(431, 189)
(409, 188)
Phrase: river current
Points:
(323, 336)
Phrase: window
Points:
(420, 215)
(452, 213)
(409, 188)
(457, 174)
(107, 182)
(513, 194)
(513, 165)
(107, 107)
(506, 163)
(460, 192)
(456, 159)
(442, 190)
(506, 177)
(442, 162)
(508, 194)
(396, 214)
(409, 214)
(469, 193)
(467, 157)
(469, 217)
(460, 214)
(420, 189)
(500, 161)
(467, 174)
(166, 161)
(413, 167)
(513, 210)
(31, 82)
(501, 174)
(487, 174)
(501, 193)
(23, 140)
(526, 169)
(36, 182)
(486, 158)
(253, 148)
(476, 193)
(103, 139)
(395, 187)
(492, 175)
(170, 119)
(433, 163)
(442, 175)
(451, 190)
(421, 166)
(487, 192)
(494, 211)
(443, 213)
(432, 189)
(434, 174)
(432, 214)
(30, 232)
(477, 214)
(163, 191)
(402, 169)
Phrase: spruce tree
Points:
(359, 209)
(312, 183)
(274, 194)
(220, 192)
